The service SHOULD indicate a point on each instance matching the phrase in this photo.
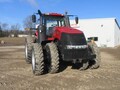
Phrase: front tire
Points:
(84, 65)
(37, 59)
(95, 50)
(52, 57)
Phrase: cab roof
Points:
(53, 14)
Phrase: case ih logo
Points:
(76, 46)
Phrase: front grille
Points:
(74, 54)
(73, 39)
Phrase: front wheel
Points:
(95, 63)
(52, 57)
(84, 65)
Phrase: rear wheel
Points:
(37, 59)
(84, 65)
(95, 50)
(28, 48)
(52, 57)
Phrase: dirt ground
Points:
(16, 74)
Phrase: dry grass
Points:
(113, 51)
(12, 41)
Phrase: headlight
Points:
(77, 46)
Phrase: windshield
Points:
(52, 21)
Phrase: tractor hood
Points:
(69, 30)
(59, 31)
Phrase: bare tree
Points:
(0, 31)
(28, 24)
(0, 26)
(4, 26)
(15, 29)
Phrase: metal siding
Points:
(103, 28)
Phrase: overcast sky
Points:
(15, 11)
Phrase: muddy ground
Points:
(16, 74)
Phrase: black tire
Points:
(84, 65)
(52, 57)
(94, 64)
(28, 48)
(37, 59)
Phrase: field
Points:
(12, 41)
(16, 74)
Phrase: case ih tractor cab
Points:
(57, 41)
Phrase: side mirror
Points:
(33, 18)
(76, 20)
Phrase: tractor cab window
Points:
(51, 22)
(49, 27)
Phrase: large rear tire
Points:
(52, 57)
(37, 59)
(95, 50)
(28, 48)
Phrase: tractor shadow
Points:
(64, 65)
(77, 66)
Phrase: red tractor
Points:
(57, 41)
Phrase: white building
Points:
(106, 29)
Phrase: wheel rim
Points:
(33, 61)
(26, 51)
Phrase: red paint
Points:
(51, 39)
(59, 30)
(69, 30)
(36, 33)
